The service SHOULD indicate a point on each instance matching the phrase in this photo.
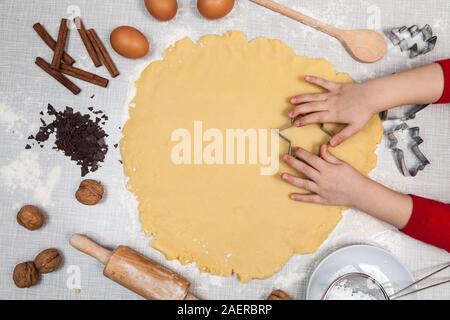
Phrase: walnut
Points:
(48, 260)
(90, 192)
(279, 295)
(25, 275)
(30, 217)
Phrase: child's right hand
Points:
(343, 103)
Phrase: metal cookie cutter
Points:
(410, 115)
(413, 39)
(290, 125)
(282, 136)
(399, 155)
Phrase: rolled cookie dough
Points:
(228, 218)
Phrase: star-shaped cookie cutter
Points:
(290, 125)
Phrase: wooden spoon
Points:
(364, 45)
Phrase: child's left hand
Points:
(331, 181)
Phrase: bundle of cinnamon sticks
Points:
(62, 63)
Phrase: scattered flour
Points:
(440, 25)
(210, 280)
(43, 193)
(334, 13)
(216, 280)
(127, 200)
(25, 173)
(289, 279)
(11, 121)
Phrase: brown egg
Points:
(162, 9)
(215, 9)
(129, 42)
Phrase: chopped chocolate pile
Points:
(77, 135)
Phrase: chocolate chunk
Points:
(79, 137)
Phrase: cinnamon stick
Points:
(104, 55)
(84, 75)
(87, 42)
(94, 44)
(60, 44)
(51, 43)
(44, 65)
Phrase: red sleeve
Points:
(445, 64)
(430, 222)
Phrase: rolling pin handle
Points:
(86, 245)
(190, 296)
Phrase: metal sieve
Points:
(363, 284)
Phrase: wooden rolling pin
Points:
(364, 45)
(136, 272)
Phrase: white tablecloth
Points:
(47, 178)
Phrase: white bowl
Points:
(375, 262)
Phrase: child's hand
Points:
(354, 104)
(334, 182)
(343, 103)
(331, 181)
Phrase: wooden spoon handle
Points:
(298, 16)
(86, 245)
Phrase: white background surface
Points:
(50, 180)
